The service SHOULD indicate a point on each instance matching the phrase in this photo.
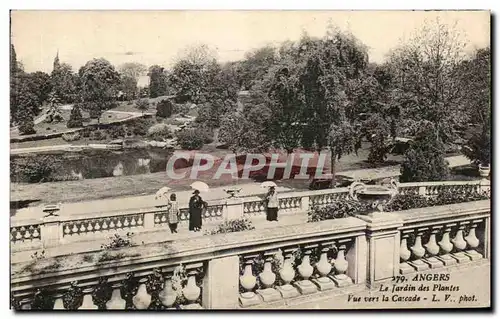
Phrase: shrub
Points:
(189, 139)
(231, 226)
(98, 135)
(139, 127)
(118, 241)
(26, 125)
(453, 197)
(117, 131)
(142, 105)
(69, 137)
(41, 168)
(424, 160)
(164, 108)
(336, 210)
(407, 201)
(159, 132)
(478, 146)
(205, 133)
(75, 118)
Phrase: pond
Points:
(87, 164)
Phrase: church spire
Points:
(56, 61)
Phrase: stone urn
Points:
(233, 192)
(376, 196)
(484, 170)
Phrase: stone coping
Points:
(446, 212)
(146, 257)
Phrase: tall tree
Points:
(329, 67)
(13, 84)
(128, 85)
(41, 85)
(158, 81)
(427, 75)
(64, 82)
(99, 85)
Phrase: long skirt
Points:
(194, 219)
(272, 213)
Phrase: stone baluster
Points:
(167, 295)
(305, 286)
(88, 302)
(473, 241)
(340, 265)
(191, 291)
(142, 299)
(324, 267)
(460, 244)
(58, 303)
(267, 279)
(446, 246)
(433, 249)
(405, 254)
(116, 302)
(287, 274)
(248, 282)
(418, 251)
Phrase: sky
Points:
(159, 37)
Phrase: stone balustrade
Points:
(59, 227)
(254, 268)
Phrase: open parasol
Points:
(162, 192)
(202, 187)
(268, 184)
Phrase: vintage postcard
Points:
(202, 160)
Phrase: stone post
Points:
(357, 259)
(304, 204)
(221, 283)
(383, 235)
(421, 190)
(149, 218)
(234, 208)
(484, 185)
(51, 233)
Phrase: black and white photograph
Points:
(250, 160)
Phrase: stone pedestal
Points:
(383, 246)
(51, 232)
(234, 208)
(248, 299)
(269, 294)
(405, 268)
(341, 280)
(305, 287)
(324, 283)
(288, 291)
(221, 283)
(433, 262)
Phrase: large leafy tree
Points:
(256, 64)
(330, 65)
(41, 85)
(427, 76)
(64, 82)
(128, 85)
(99, 85)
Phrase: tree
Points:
(328, 68)
(132, 69)
(427, 75)
(99, 85)
(14, 83)
(425, 159)
(54, 111)
(377, 132)
(142, 105)
(157, 82)
(41, 85)
(128, 85)
(25, 120)
(64, 82)
(75, 118)
(256, 64)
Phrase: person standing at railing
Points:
(173, 213)
(196, 207)
(271, 200)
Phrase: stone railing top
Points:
(146, 257)
(431, 215)
(444, 183)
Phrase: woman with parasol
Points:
(196, 206)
